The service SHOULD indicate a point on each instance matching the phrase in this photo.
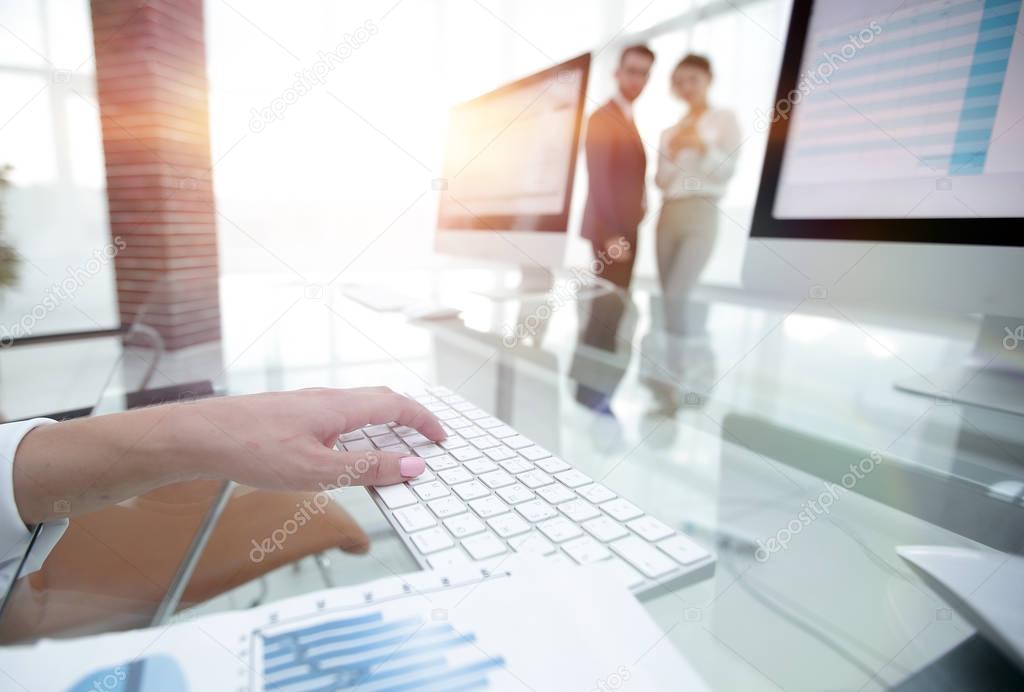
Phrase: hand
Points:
(686, 137)
(617, 249)
(285, 440)
(281, 441)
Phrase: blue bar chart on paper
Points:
(371, 652)
(903, 92)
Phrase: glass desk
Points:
(776, 439)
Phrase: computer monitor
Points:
(508, 171)
(894, 175)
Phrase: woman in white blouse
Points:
(697, 157)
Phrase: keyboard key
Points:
(464, 525)
(446, 507)
(395, 496)
(431, 491)
(621, 509)
(628, 576)
(475, 414)
(573, 478)
(508, 525)
(416, 440)
(447, 558)
(405, 431)
(400, 448)
(536, 510)
(497, 479)
(516, 493)
(485, 442)
(643, 556)
(534, 453)
(447, 414)
(456, 475)
(586, 550)
(516, 465)
(471, 490)
(463, 406)
(388, 440)
(441, 463)
(683, 550)
(559, 529)
(466, 453)
(376, 430)
(489, 422)
(534, 479)
(596, 493)
(650, 529)
(503, 431)
(472, 432)
(453, 442)
(578, 510)
(436, 406)
(532, 543)
(459, 423)
(483, 546)
(499, 453)
(489, 506)
(605, 529)
(518, 442)
(424, 477)
(427, 451)
(561, 559)
(553, 465)
(431, 540)
(556, 493)
(480, 466)
(351, 436)
(363, 445)
(414, 518)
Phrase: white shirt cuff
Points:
(14, 535)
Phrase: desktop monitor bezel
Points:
(543, 223)
(998, 231)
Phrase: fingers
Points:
(351, 537)
(369, 468)
(387, 406)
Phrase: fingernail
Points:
(411, 466)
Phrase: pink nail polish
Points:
(410, 467)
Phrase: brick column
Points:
(151, 84)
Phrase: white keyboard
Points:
(489, 492)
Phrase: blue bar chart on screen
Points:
(930, 90)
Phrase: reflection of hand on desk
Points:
(113, 566)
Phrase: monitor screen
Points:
(901, 110)
(510, 155)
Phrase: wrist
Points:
(171, 452)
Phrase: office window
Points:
(55, 208)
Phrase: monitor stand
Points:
(992, 376)
(534, 281)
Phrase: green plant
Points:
(9, 259)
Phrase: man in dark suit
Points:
(617, 167)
